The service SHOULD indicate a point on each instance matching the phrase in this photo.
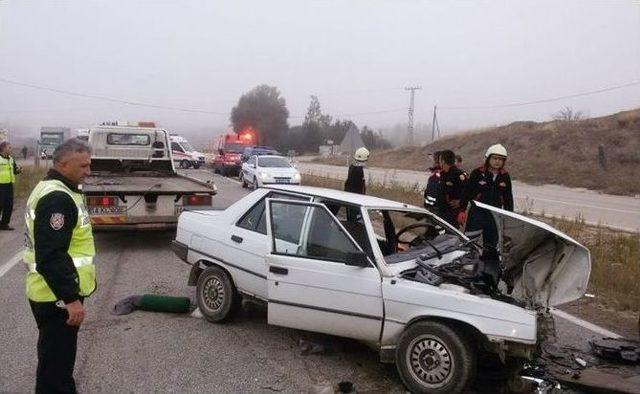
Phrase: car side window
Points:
(255, 218)
(176, 147)
(309, 231)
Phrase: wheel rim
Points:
(213, 294)
(430, 361)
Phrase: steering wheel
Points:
(418, 238)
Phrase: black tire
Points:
(196, 165)
(184, 164)
(216, 295)
(244, 183)
(433, 357)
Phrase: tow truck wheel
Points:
(433, 357)
(216, 295)
(184, 164)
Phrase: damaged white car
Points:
(386, 273)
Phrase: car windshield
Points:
(274, 162)
(405, 235)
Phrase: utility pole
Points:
(435, 124)
(412, 89)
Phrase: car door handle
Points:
(278, 270)
(237, 239)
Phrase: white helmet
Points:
(496, 149)
(362, 154)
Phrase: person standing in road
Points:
(8, 171)
(355, 178)
(489, 184)
(24, 152)
(452, 183)
(59, 257)
(433, 184)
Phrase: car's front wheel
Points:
(244, 182)
(196, 165)
(433, 357)
(184, 164)
(216, 295)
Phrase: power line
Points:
(111, 99)
(547, 100)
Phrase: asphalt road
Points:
(156, 352)
(621, 212)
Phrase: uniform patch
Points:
(482, 183)
(502, 184)
(56, 221)
(462, 177)
(449, 183)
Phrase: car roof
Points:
(339, 195)
(261, 156)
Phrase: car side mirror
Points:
(357, 259)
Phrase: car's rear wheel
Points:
(216, 295)
(433, 357)
(196, 165)
(184, 164)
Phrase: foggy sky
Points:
(357, 56)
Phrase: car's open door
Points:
(318, 278)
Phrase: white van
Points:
(184, 154)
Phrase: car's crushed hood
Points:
(542, 265)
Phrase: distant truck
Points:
(133, 182)
(184, 154)
(228, 150)
(50, 138)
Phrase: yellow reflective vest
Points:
(81, 248)
(6, 170)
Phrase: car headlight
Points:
(264, 175)
(296, 177)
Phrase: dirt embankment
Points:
(598, 153)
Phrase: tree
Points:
(567, 113)
(264, 110)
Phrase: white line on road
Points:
(585, 324)
(9, 264)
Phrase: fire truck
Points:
(228, 148)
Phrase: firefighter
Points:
(8, 171)
(355, 178)
(452, 183)
(59, 260)
(433, 184)
(489, 184)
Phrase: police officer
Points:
(452, 183)
(489, 184)
(59, 258)
(355, 178)
(433, 184)
(8, 171)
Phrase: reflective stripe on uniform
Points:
(77, 262)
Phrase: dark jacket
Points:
(51, 244)
(482, 187)
(432, 189)
(452, 184)
(355, 180)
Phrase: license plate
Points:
(106, 210)
(282, 181)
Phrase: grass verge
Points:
(615, 256)
(26, 181)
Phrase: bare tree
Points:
(567, 113)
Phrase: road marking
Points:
(9, 264)
(585, 324)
